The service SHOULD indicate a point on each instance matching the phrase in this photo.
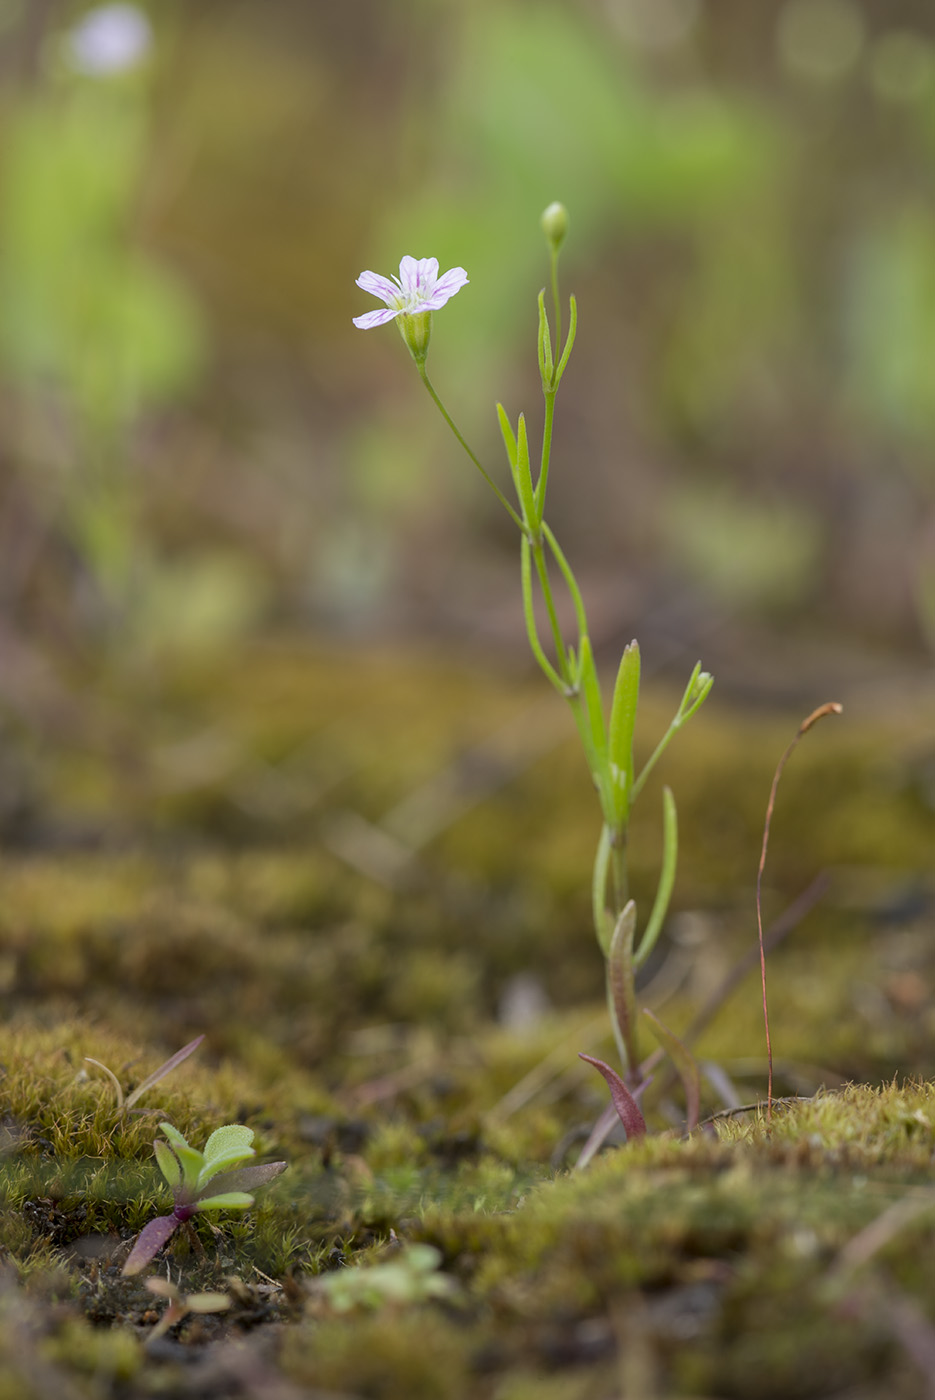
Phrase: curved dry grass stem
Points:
(831, 707)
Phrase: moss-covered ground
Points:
(365, 880)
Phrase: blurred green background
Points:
(198, 445)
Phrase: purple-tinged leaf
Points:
(686, 1065)
(246, 1178)
(148, 1243)
(172, 1063)
(628, 1110)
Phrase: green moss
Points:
(349, 1015)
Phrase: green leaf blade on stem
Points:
(603, 923)
(670, 851)
(620, 981)
(685, 1064)
(569, 343)
(523, 477)
(506, 432)
(590, 688)
(622, 727)
(546, 363)
(529, 616)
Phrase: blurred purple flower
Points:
(109, 39)
(418, 288)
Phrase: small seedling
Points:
(126, 1101)
(181, 1306)
(201, 1181)
(411, 1277)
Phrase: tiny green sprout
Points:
(126, 1101)
(181, 1306)
(410, 1277)
(201, 1181)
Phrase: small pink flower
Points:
(418, 288)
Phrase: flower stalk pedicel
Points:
(569, 666)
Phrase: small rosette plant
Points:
(201, 1181)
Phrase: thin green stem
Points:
(569, 577)
(484, 473)
(556, 301)
(599, 891)
(657, 753)
(542, 569)
(529, 614)
(543, 481)
(618, 868)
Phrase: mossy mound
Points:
(364, 880)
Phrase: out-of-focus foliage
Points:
(748, 414)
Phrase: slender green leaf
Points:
(506, 432)
(569, 343)
(118, 1091)
(620, 983)
(685, 1063)
(670, 850)
(622, 725)
(603, 924)
(529, 615)
(524, 488)
(546, 363)
(172, 1063)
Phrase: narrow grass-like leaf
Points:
(506, 432)
(523, 474)
(670, 851)
(172, 1063)
(546, 363)
(603, 923)
(118, 1091)
(628, 1110)
(622, 725)
(684, 1062)
(569, 343)
(620, 980)
(529, 615)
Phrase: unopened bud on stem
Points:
(555, 225)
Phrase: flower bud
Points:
(416, 331)
(554, 223)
